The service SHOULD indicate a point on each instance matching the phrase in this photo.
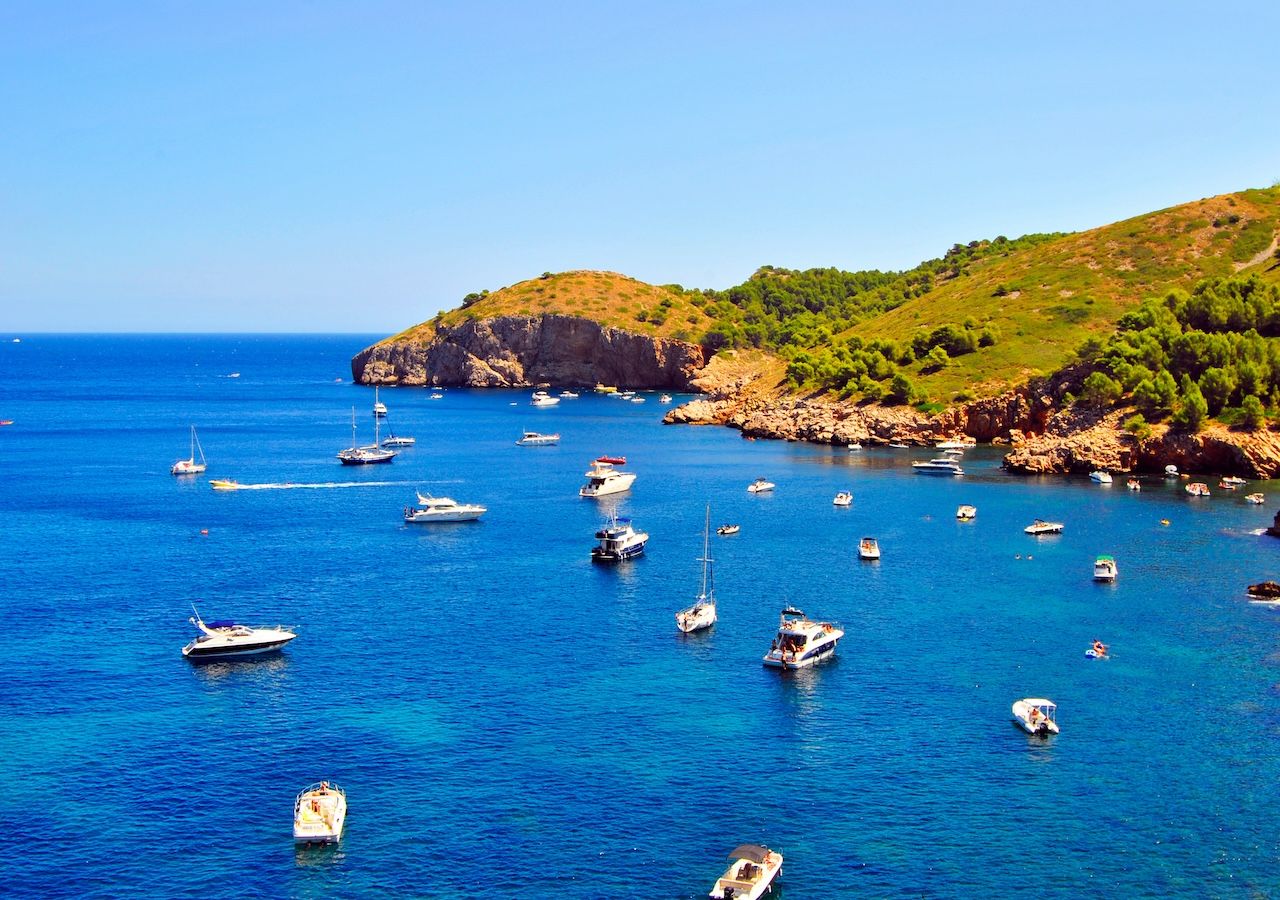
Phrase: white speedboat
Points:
(535, 439)
(437, 396)
(1231, 482)
(319, 813)
(190, 466)
(1197, 489)
(1171, 471)
(442, 509)
(569, 395)
(966, 512)
(398, 440)
(665, 398)
(955, 444)
(542, 398)
(898, 445)
(371, 453)
(702, 614)
(760, 486)
(943, 465)
(225, 638)
(855, 446)
(868, 548)
(1040, 526)
(750, 875)
(728, 529)
(1100, 477)
(1105, 569)
(1134, 484)
(637, 399)
(843, 498)
(604, 479)
(379, 408)
(618, 541)
(801, 642)
(1035, 715)
(1255, 498)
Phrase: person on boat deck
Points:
(1098, 646)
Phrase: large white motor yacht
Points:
(442, 509)
(750, 875)
(943, 465)
(702, 614)
(542, 398)
(1035, 715)
(536, 439)
(225, 638)
(603, 479)
(1105, 569)
(319, 813)
(618, 541)
(801, 642)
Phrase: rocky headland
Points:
(520, 351)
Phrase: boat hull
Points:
(372, 460)
(775, 659)
(199, 654)
(600, 555)
(696, 618)
(611, 486)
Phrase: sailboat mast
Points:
(706, 550)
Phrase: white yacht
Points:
(190, 466)
(1035, 715)
(843, 498)
(801, 642)
(1100, 477)
(750, 874)
(1040, 526)
(224, 638)
(442, 509)
(1232, 482)
(1171, 471)
(955, 444)
(1105, 569)
(536, 439)
(379, 408)
(637, 399)
(868, 548)
(966, 512)
(569, 395)
(542, 398)
(855, 446)
(942, 465)
(319, 813)
(761, 486)
(702, 614)
(371, 453)
(398, 440)
(603, 479)
(728, 529)
(618, 541)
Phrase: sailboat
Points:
(363, 456)
(703, 612)
(190, 466)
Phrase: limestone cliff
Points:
(524, 350)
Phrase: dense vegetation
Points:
(1213, 352)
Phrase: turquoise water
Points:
(510, 720)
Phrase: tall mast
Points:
(706, 552)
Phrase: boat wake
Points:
(291, 486)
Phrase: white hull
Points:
(428, 518)
(696, 618)
(749, 884)
(1023, 717)
(319, 815)
(187, 467)
(618, 483)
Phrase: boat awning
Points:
(1040, 701)
(753, 852)
(222, 623)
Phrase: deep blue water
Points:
(510, 720)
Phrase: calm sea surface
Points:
(510, 720)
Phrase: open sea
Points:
(510, 720)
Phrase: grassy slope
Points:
(606, 297)
(1079, 285)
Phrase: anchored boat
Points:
(801, 642)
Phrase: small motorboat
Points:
(1105, 569)
(1264, 592)
(955, 444)
(1040, 526)
(637, 399)
(542, 398)
(398, 440)
(537, 439)
(605, 388)
(6, 421)
(760, 486)
(1197, 489)
(1100, 477)
(226, 638)
(1097, 650)
(1255, 498)
(899, 446)
(750, 875)
(665, 398)
(868, 548)
(728, 529)
(1171, 471)
(319, 813)
(1231, 482)
(437, 396)
(801, 641)
(569, 395)
(618, 541)
(967, 513)
(442, 509)
(224, 484)
(843, 498)
(612, 460)
(1134, 484)
(855, 446)
(1035, 715)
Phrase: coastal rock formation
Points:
(519, 351)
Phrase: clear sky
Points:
(323, 166)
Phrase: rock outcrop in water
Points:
(519, 351)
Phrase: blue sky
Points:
(358, 166)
